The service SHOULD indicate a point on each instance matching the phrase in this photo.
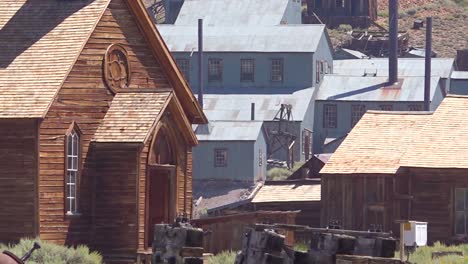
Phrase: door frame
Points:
(172, 195)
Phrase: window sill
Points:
(72, 215)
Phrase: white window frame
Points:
(220, 157)
(330, 118)
(184, 66)
(72, 171)
(247, 70)
(277, 70)
(357, 111)
(215, 70)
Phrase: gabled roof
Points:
(351, 88)
(443, 142)
(377, 143)
(229, 131)
(289, 191)
(229, 13)
(249, 38)
(39, 43)
(131, 117)
(407, 67)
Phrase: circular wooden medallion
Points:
(117, 73)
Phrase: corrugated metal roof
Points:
(229, 131)
(283, 38)
(229, 13)
(238, 106)
(377, 143)
(407, 67)
(289, 191)
(460, 75)
(346, 88)
(443, 142)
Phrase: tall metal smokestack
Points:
(200, 62)
(393, 42)
(427, 73)
(252, 111)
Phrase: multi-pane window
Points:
(414, 107)
(357, 111)
(184, 66)
(329, 116)
(386, 107)
(277, 70)
(461, 211)
(72, 169)
(247, 69)
(260, 157)
(215, 70)
(220, 157)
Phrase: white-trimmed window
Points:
(247, 69)
(215, 70)
(220, 157)
(72, 167)
(340, 3)
(277, 70)
(461, 211)
(357, 111)
(184, 66)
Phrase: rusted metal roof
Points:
(289, 191)
(131, 117)
(39, 42)
(377, 143)
(443, 143)
(346, 88)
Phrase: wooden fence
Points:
(227, 232)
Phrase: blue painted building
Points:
(230, 150)
(459, 83)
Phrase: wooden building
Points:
(358, 13)
(395, 166)
(95, 125)
(358, 180)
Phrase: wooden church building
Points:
(95, 125)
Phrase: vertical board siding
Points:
(115, 211)
(18, 171)
(85, 99)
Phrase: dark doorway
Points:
(161, 197)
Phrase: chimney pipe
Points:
(393, 42)
(427, 74)
(200, 62)
(252, 111)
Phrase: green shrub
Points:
(54, 254)
(278, 174)
(225, 257)
(383, 13)
(423, 255)
(301, 247)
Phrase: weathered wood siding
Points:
(18, 174)
(433, 192)
(85, 99)
(351, 198)
(115, 226)
(309, 214)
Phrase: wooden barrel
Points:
(9, 258)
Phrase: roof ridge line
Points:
(400, 112)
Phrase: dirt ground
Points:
(450, 24)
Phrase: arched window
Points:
(162, 150)
(72, 168)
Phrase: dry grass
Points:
(449, 24)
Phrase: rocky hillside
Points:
(450, 23)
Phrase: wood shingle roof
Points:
(39, 43)
(443, 142)
(377, 143)
(289, 191)
(132, 116)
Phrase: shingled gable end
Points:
(95, 119)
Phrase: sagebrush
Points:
(423, 255)
(225, 257)
(54, 254)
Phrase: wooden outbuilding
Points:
(95, 125)
(358, 13)
(358, 181)
(401, 166)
